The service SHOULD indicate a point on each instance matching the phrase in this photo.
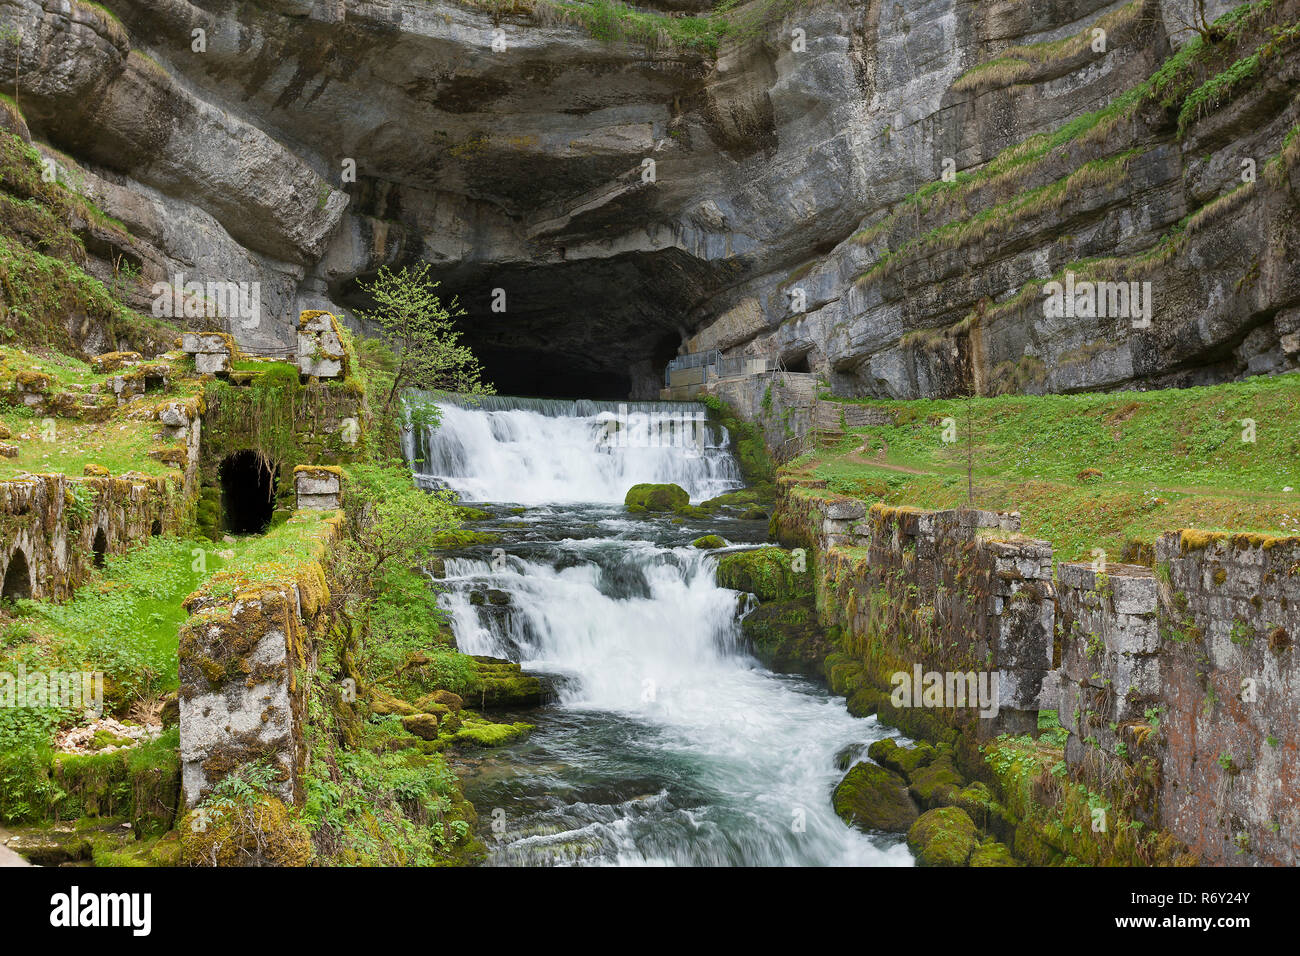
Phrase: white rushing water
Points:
(670, 744)
(547, 451)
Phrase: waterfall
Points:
(669, 744)
(536, 451)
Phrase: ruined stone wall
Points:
(953, 591)
(1182, 684)
(244, 661)
(1177, 685)
(56, 526)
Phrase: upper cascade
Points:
(551, 451)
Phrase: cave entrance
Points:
(18, 579)
(247, 492)
(99, 546)
(798, 363)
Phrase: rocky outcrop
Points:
(877, 192)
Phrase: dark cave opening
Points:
(798, 363)
(600, 328)
(18, 578)
(99, 546)
(548, 375)
(247, 492)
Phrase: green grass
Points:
(1167, 460)
(277, 556)
(58, 445)
(123, 621)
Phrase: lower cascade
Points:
(666, 742)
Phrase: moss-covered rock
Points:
(991, 853)
(844, 674)
(936, 783)
(767, 573)
(743, 499)
(384, 703)
(945, 836)
(424, 726)
(661, 498)
(452, 702)
(873, 798)
(754, 513)
(786, 636)
(502, 684)
(864, 701)
(478, 732)
(902, 760)
(708, 542)
(263, 832)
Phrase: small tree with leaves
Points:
(422, 333)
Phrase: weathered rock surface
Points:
(778, 221)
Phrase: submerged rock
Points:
(873, 798)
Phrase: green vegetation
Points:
(122, 622)
(769, 573)
(423, 336)
(1090, 471)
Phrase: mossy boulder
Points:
(502, 684)
(902, 760)
(945, 836)
(864, 701)
(768, 573)
(844, 674)
(478, 732)
(660, 498)
(384, 703)
(424, 726)
(763, 493)
(754, 513)
(708, 542)
(991, 853)
(873, 798)
(786, 637)
(444, 698)
(936, 783)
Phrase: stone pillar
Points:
(319, 487)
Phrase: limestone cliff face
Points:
(797, 207)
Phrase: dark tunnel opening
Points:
(18, 578)
(247, 492)
(99, 546)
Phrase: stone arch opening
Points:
(155, 529)
(99, 546)
(18, 578)
(247, 492)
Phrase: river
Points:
(668, 744)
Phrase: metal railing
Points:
(714, 366)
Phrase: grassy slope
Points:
(1167, 460)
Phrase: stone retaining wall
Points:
(1178, 685)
